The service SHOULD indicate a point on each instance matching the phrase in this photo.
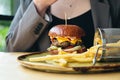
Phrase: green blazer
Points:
(28, 30)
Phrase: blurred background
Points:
(7, 11)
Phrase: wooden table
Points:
(11, 69)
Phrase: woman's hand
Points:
(42, 5)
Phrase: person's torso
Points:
(84, 21)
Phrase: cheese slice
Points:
(63, 39)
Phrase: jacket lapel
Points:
(100, 13)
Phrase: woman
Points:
(29, 29)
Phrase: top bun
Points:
(66, 31)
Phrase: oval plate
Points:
(74, 68)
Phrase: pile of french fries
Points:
(63, 58)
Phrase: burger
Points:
(67, 38)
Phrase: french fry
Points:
(50, 57)
(63, 58)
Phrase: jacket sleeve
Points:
(115, 12)
(25, 28)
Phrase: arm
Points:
(26, 27)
